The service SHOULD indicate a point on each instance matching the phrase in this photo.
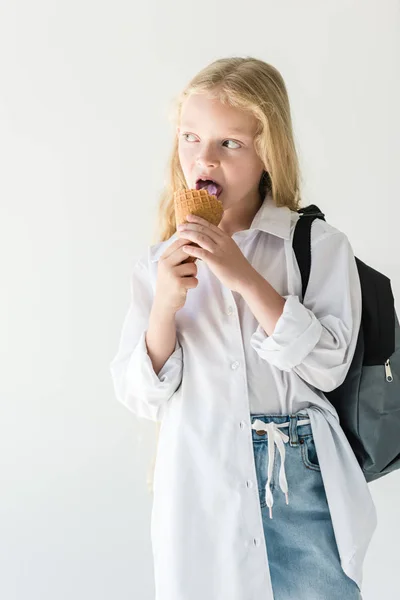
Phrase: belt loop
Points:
(294, 438)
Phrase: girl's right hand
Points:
(174, 278)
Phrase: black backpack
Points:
(368, 401)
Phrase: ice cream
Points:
(200, 203)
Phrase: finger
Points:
(196, 252)
(202, 239)
(195, 219)
(172, 248)
(186, 269)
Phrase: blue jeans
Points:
(302, 551)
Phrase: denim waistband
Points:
(287, 423)
(278, 430)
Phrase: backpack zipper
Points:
(388, 370)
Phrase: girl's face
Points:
(217, 142)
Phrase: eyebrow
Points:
(234, 130)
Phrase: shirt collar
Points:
(269, 218)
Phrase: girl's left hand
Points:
(218, 250)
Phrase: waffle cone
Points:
(200, 203)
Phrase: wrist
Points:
(250, 279)
(160, 312)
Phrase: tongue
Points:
(211, 187)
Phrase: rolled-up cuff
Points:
(142, 377)
(296, 333)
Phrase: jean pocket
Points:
(309, 452)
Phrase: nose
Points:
(207, 157)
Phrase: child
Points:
(232, 361)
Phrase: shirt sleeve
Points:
(317, 338)
(136, 384)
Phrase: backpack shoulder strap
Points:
(302, 241)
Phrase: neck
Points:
(239, 216)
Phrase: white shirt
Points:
(206, 525)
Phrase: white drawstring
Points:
(275, 436)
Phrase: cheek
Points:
(240, 170)
(251, 168)
(184, 158)
(244, 174)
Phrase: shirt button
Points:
(234, 365)
(256, 542)
(242, 424)
(230, 310)
(249, 484)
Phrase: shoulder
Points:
(321, 231)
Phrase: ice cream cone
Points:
(200, 203)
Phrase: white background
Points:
(85, 92)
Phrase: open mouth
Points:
(212, 187)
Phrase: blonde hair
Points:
(258, 88)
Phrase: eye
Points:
(233, 141)
(184, 135)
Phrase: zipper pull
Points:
(388, 370)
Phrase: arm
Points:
(142, 387)
(317, 338)
(263, 300)
(160, 337)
